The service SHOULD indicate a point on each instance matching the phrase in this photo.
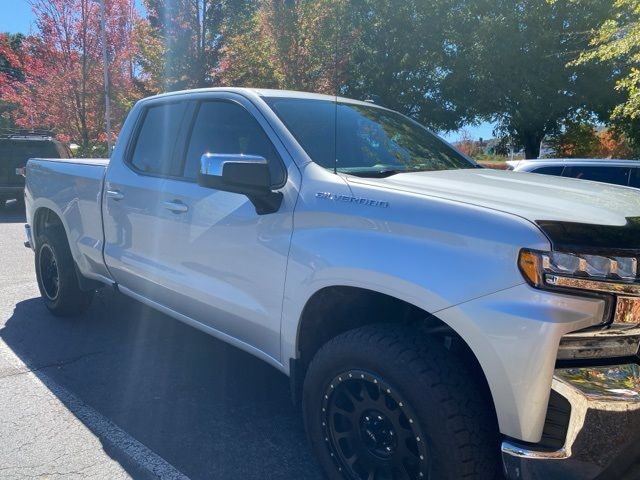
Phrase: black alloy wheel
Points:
(58, 279)
(370, 431)
(49, 272)
(387, 402)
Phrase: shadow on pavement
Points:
(207, 408)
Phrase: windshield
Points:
(371, 141)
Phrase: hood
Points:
(538, 198)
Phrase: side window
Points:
(226, 127)
(614, 175)
(635, 178)
(156, 140)
(557, 171)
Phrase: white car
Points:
(616, 172)
(437, 320)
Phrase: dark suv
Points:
(15, 150)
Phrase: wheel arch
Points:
(45, 218)
(353, 307)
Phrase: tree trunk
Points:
(531, 141)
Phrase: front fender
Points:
(442, 257)
(430, 252)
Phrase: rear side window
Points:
(226, 127)
(153, 152)
(635, 178)
(613, 175)
(557, 171)
(19, 151)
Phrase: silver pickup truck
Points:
(436, 319)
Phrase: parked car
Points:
(15, 150)
(437, 320)
(616, 172)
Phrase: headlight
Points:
(614, 278)
(574, 270)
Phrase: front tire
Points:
(383, 402)
(57, 278)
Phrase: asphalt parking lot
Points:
(126, 392)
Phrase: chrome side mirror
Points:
(244, 174)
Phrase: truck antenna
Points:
(335, 91)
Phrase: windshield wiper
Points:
(383, 173)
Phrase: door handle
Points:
(176, 206)
(115, 194)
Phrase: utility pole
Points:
(105, 73)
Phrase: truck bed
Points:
(100, 162)
(72, 188)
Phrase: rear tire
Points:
(383, 402)
(57, 278)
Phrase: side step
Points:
(27, 232)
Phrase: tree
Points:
(617, 43)
(580, 138)
(63, 86)
(614, 144)
(291, 44)
(394, 53)
(515, 54)
(10, 71)
(577, 139)
(403, 57)
(10, 68)
(180, 42)
(467, 145)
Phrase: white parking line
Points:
(135, 452)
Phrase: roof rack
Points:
(9, 133)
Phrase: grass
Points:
(497, 162)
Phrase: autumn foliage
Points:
(445, 63)
(292, 45)
(613, 144)
(61, 84)
(584, 140)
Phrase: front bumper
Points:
(603, 436)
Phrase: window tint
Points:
(635, 177)
(225, 127)
(614, 175)
(549, 170)
(21, 151)
(153, 151)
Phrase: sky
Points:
(16, 16)
(484, 130)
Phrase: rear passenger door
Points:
(138, 229)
